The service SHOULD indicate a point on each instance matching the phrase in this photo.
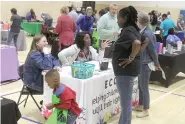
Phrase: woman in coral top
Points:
(65, 28)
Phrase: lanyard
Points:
(143, 30)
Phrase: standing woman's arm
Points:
(144, 42)
(136, 47)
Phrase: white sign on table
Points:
(97, 96)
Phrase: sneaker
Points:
(138, 108)
(143, 114)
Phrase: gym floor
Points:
(167, 104)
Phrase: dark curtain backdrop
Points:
(89, 3)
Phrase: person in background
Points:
(180, 23)
(85, 22)
(65, 28)
(73, 13)
(102, 12)
(96, 16)
(107, 9)
(48, 20)
(148, 56)
(15, 27)
(126, 59)
(172, 37)
(78, 11)
(159, 20)
(159, 17)
(31, 15)
(82, 50)
(150, 16)
(83, 11)
(154, 20)
(108, 28)
(65, 95)
(165, 26)
(168, 15)
(38, 59)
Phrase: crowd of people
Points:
(126, 36)
(165, 23)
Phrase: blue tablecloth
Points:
(180, 34)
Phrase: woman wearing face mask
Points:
(82, 51)
(85, 22)
(38, 59)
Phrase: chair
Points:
(27, 91)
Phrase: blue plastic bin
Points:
(82, 70)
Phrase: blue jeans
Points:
(144, 78)
(125, 88)
(71, 118)
(13, 36)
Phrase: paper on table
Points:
(163, 74)
(151, 66)
(179, 45)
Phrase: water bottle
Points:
(164, 50)
(170, 49)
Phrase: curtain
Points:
(89, 3)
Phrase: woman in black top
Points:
(154, 20)
(126, 59)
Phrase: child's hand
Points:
(50, 106)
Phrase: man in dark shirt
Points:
(15, 27)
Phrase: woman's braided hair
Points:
(131, 14)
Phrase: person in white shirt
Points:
(82, 51)
(108, 28)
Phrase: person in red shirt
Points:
(65, 28)
(66, 95)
